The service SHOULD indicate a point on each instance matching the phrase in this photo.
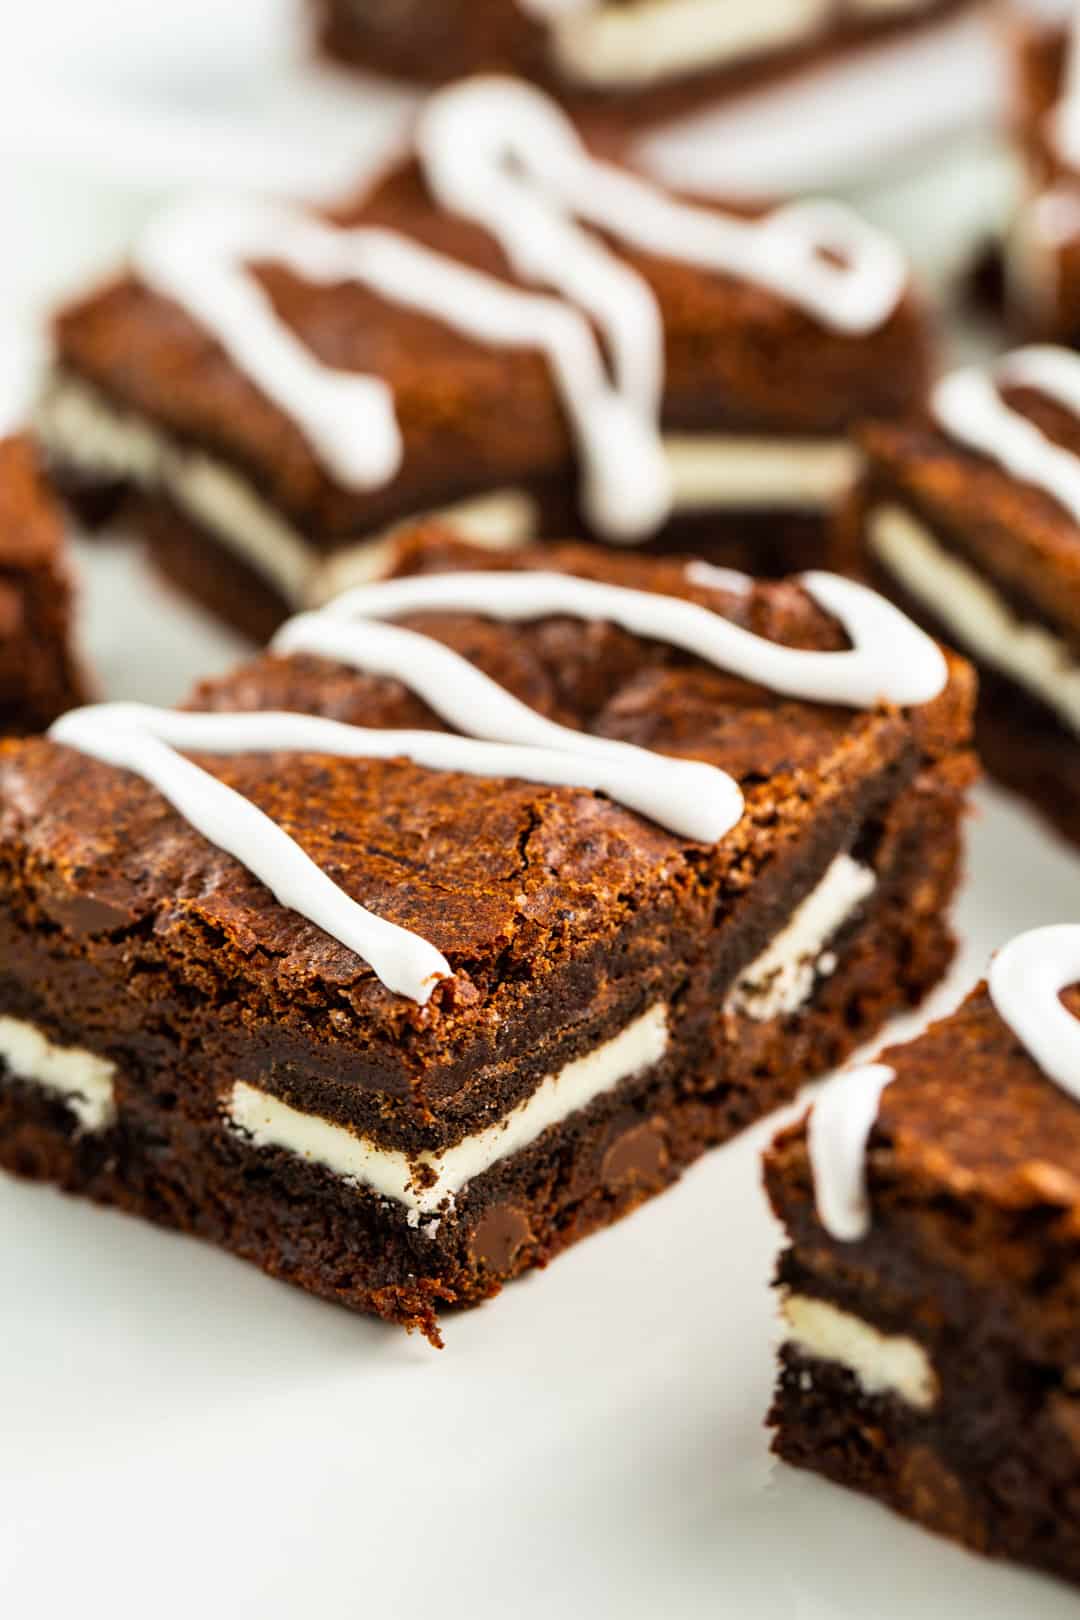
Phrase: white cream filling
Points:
(783, 976)
(619, 46)
(759, 474)
(708, 471)
(272, 1123)
(78, 1078)
(970, 609)
(883, 1363)
(871, 10)
(76, 425)
(505, 520)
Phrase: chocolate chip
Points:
(85, 915)
(499, 1236)
(638, 1154)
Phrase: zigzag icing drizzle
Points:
(1025, 982)
(969, 406)
(1026, 979)
(198, 255)
(890, 661)
(503, 155)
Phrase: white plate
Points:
(180, 1436)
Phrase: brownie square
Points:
(929, 1286)
(598, 997)
(615, 63)
(276, 393)
(968, 517)
(39, 677)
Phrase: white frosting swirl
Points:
(502, 154)
(890, 661)
(1025, 982)
(839, 1128)
(1026, 979)
(969, 406)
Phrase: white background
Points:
(179, 1435)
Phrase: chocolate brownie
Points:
(929, 1290)
(970, 518)
(39, 677)
(513, 980)
(507, 330)
(625, 63)
(1043, 246)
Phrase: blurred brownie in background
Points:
(932, 1205)
(969, 516)
(506, 332)
(39, 677)
(628, 62)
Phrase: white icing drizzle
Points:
(715, 578)
(840, 1124)
(198, 255)
(969, 407)
(693, 798)
(690, 798)
(1026, 979)
(1025, 983)
(500, 152)
(504, 155)
(137, 738)
(890, 661)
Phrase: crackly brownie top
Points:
(736, 355)
(513, 882)
(971, 1117)
(973, 1169)
(1017, 531)
(971, 1112)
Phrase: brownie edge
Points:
(39, 674)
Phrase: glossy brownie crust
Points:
(974, 1171)
(434, 41)
(563, 916)
(739, 362)
(38, 675)
(1024, 545)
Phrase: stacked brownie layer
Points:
(614, 997)
(929, 1290)
(39, 678)
(275, 393)
(970, 518)
(629, 62)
